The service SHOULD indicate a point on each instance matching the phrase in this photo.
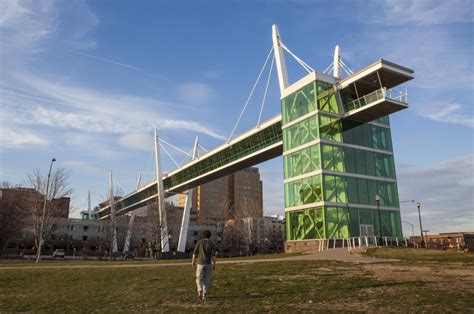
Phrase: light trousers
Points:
(203, 278)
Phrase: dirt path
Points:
(332, 255)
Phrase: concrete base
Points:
(305, 246)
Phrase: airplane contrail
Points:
(107, 60)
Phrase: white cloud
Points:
(195, 93)
(421, 12)
(140, 141)
(445, 190)
(20, 137)
(59, 105)
(24, 24)
(447, 113)
(86, 165)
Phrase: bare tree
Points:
(12, 213)
(59, 188)
(247, 214)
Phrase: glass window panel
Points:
(343, 222)
(363, 192)
(365, 216)
(319, 222)
(313, 127)
(341, 187)
(360, 161)
(327, 157)
(331, 222)
(296, 163)
(338, 158)
(354, 228)
(370, 163)
(372, 191)
(352, 193)
(357, 133)
(304, 130)
(317, 188)
(315, 160)
(367, 135)
(349, 160)
(306, 160)
(330, 188)
(298, 193)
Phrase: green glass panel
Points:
(316, 187)
(349, 159)
(319, 221)
(365, 216)
(331, 222)
(369, 163)
(327, 157)
(352, 193)
(360, 161)
(306, 160)
(354, 222)
(372, 191)
(341, 187)
(343, 223)
(298, 192)
(315, 160)
(326, 97)
(338, 158)
(313, 127)
(296, 163)
(330, 188)
(363, 192)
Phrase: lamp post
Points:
(377, 198)
(418, 205)
(44, 212)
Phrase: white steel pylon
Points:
(279, 59)
(112, 215)
(183, 234)
(89, 211)
(337, 62)
(126, 246)
(163, 227)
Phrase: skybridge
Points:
(334, 103)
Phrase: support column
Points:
(183, 234)
(126, 246)
(279, 59)
(112, 215)
(163, 227)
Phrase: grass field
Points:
(420, 281)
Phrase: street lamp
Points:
(377, 198)
(418, 205)
(44, 212)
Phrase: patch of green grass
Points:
(421, 255)
(266, 286)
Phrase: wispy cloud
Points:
(89, 110)
(20, 137)
(86, 165)
(195, 93)
(447, 113)
(421, 12)
(445, 190)
(140, 141)
(108, 61)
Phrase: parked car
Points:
(59, 253)
(128, 255)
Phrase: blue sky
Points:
(87, 81)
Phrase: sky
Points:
(86, 82)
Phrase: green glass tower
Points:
(334, 168)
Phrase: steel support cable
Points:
(266, 90)
(169, 155)
(207, 151)
(328, 69)
(301, 62)
(345, 66)
(178, 149)
(250, 96)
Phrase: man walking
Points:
(205, 260)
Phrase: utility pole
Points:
(418, 205)
(41, 240)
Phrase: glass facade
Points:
(334, 168)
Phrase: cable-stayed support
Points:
(266, 90)
(250, 96)
(301, 62)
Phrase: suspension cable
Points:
(266, 90)
(171, 145)
(169, 155)
(207, 151)
(251, 93)
(301, 62)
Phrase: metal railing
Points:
(375, 96)
(364, 242)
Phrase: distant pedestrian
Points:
(204, 259)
